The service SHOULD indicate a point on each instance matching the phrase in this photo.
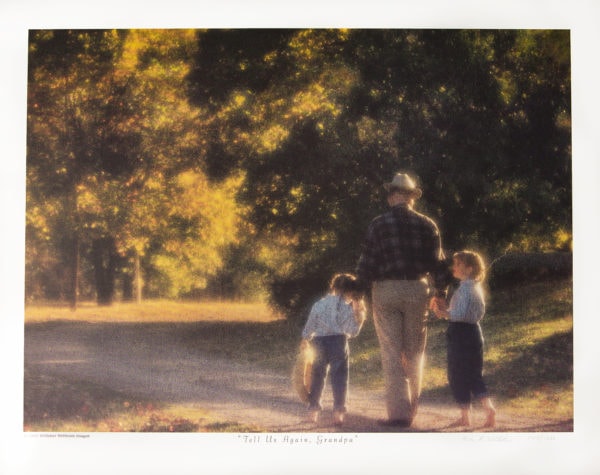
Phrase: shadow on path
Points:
(166, 363)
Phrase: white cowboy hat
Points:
(403, 182)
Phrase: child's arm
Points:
(354, 321)
(304, 344)
(439, 312)
(360, 311)
(465, 306)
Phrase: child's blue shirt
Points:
(467, 303)
(331, 315)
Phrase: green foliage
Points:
(239, 160)
(481, 117)
(521, 268)
(114, 153)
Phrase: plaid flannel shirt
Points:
(403, 244)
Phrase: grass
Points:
(153, 311)
(530, 348)
(528, 360)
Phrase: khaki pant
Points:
(400, 316)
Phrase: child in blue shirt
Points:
(332, 320)
(465, 339)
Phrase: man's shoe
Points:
(394, 422)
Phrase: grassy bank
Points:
(160, 311)
(528, 351)
(528, 359)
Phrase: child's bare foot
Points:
(338, 418)
(313, 416)
(490, 421)
(462, 421)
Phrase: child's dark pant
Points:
(331, 353)
(465, 362)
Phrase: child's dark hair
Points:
(341, 283)
(473, 260)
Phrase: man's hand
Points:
(359, 307)
(439, 306)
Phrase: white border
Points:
(131, 454)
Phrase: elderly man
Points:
(402, 258)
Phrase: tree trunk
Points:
(127, 287)
(138, 279)
(74, 277)
(104, 259)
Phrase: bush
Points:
(518, 268)
(294, 297)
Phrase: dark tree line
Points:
(481, 117)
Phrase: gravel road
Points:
(159, 363)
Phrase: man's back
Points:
(400, 244)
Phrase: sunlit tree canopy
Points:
(190, 161)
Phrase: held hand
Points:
(432, 303)
(435, 307)
(438, 303)
(438, 306)
(359, 307)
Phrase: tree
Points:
(179, 152)
(178, 222)
(113, 149)
(71, 132)
(337, 112)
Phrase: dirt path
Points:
(155, 364)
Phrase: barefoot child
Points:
(332, 320)
(465, 339)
